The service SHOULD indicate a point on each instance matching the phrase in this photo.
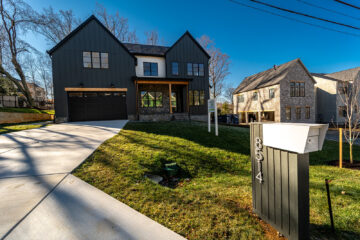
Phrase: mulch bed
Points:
(346, 164)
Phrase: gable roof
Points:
(345, 75)
(269, 77)
(81, 26)
(144, 49)
(324, 75)
(187, 33)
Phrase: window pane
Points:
(189, 69)
(154, 69)
(298, 113)
(196, 69)
(271, 93)
(302, 89)
(297, 90)
(202, 97)
(147, 71)
(173, 99)
(288, 113)
(95, 59)
(201, 70)
(292, 89)
(196, 98)
(144, 100)
(87, 59)
(307, 115)
(151, 99)
(255, 96)
(90, 94)
(175, 68)
(191, 98)
(75, 94)
(104, 60)
(159, 99)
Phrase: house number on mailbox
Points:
(259, 158)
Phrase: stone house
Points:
(330, 92)
(284, 93)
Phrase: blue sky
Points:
(254, 40)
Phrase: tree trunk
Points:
(351, 153)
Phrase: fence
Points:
(15, 101)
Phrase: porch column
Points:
(170, 98)
(137, 100)
(259, 115)
(246, 117)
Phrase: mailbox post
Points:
(280, 174)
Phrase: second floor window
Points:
(196, 69)
(150, 69)
(255, 96)
(175, 68)
(240, 98)
(95, 60)
(271, 93)
(297, 89)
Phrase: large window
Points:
(196, 69)
(307, 112)
(150, 69)
(196, 97)
(288, 113)
(297, 89)
(298, 113)
(95, 60)
(175, 68)
(151, 99)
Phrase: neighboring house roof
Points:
(143, 49)
(81, 26)
(325, 76)
(187, 33)
(345, 75)
(269, 77)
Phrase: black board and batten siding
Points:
(187, 50)
(68, 70)
(282, 199)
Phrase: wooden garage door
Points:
(90, 106)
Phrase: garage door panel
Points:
(90, 106)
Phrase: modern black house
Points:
(97, 77)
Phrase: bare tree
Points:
(117, 24)
(349, 94)
(16, 17)
(229, 91)
(218, 66)
(55, 26)
(152, 37)
(44, 73)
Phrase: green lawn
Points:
(216, 202)
(26, 110)
(13, 127)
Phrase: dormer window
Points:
(150, 69)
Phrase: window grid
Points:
(95, 60)
(288, 113)
(298, 113)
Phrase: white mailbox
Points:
(295, 137)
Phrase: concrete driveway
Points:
(40, 199)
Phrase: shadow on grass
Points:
(325, 232)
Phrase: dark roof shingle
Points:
(143, 49)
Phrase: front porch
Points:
(162, 99)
